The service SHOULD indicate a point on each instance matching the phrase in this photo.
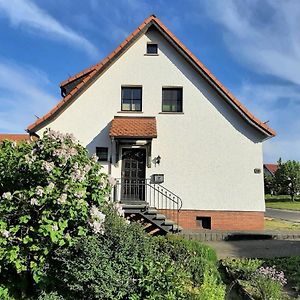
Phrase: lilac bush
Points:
(51, 192)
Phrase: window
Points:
(203, 222)
(102, 153)
(172, 99)
(131, 98)
(152, 48)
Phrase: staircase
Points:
(149, 204)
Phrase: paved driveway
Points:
(288, 215)
(256, 248)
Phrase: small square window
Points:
(102, 153)
(152, 49)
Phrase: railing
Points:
(155, 195)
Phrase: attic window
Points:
(152, 49)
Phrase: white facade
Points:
(208, 152)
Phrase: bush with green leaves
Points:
(196, 257)
(51, 193)
(261, 282)
(123, 263)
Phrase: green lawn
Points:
(281, 225)
(282, 202)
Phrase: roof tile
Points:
(90, 72)
(137, 127)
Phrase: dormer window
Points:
(152, 49)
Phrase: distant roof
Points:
(84, 79)
(133, 127)
(15, 137)
(272, 168)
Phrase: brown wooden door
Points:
(133, 174)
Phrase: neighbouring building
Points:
(270, 169)
(167, 130)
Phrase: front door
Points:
(133, 174)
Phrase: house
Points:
(17, 137)
(170, 133)
(270, 169)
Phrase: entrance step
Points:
(153, 221)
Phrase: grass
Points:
(276, 224)
(290, 267)
(282, 202)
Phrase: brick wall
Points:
(220, 220)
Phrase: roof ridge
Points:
(97, 65)
(92, 71)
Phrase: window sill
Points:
(151, 54)
(130, 112)
(171, 113)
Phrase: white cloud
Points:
(26, 13)
(280, 104)
(264, 34)
(23, 91)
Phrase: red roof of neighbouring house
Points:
(85, 78)
(15, 137)
(272, 168)
(133, 127)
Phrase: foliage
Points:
(287, 178)
(123, 263)
(197, 258)
(269, 184)
(211, 289)
(51, 193)
(290, 266)
(267, 288)
(265, 283)
(60, 237)
(241, 267)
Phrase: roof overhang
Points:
(90, 75)
(138, 128)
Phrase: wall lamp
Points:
(156, 160)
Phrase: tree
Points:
(51, 192)
(287, 177)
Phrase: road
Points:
(288, 215)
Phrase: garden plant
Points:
(62, 238)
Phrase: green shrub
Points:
(121, 264)
(51, 192)
(290, 266)
(241, 268)
(211, 289)
(194, 256)
(267, 289)
(50, 296)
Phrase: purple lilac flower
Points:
(272, 273)
(48, 166)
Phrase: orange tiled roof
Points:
(89, 74)
(15, 137)
(272, 168)
(136, 127)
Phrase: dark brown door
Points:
(133, 174)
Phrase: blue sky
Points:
(252, 46)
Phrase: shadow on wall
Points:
(224, 108)
(100, 140)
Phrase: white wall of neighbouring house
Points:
(208, 152)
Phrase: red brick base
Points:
(220, 220)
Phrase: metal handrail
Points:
(154, 194)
